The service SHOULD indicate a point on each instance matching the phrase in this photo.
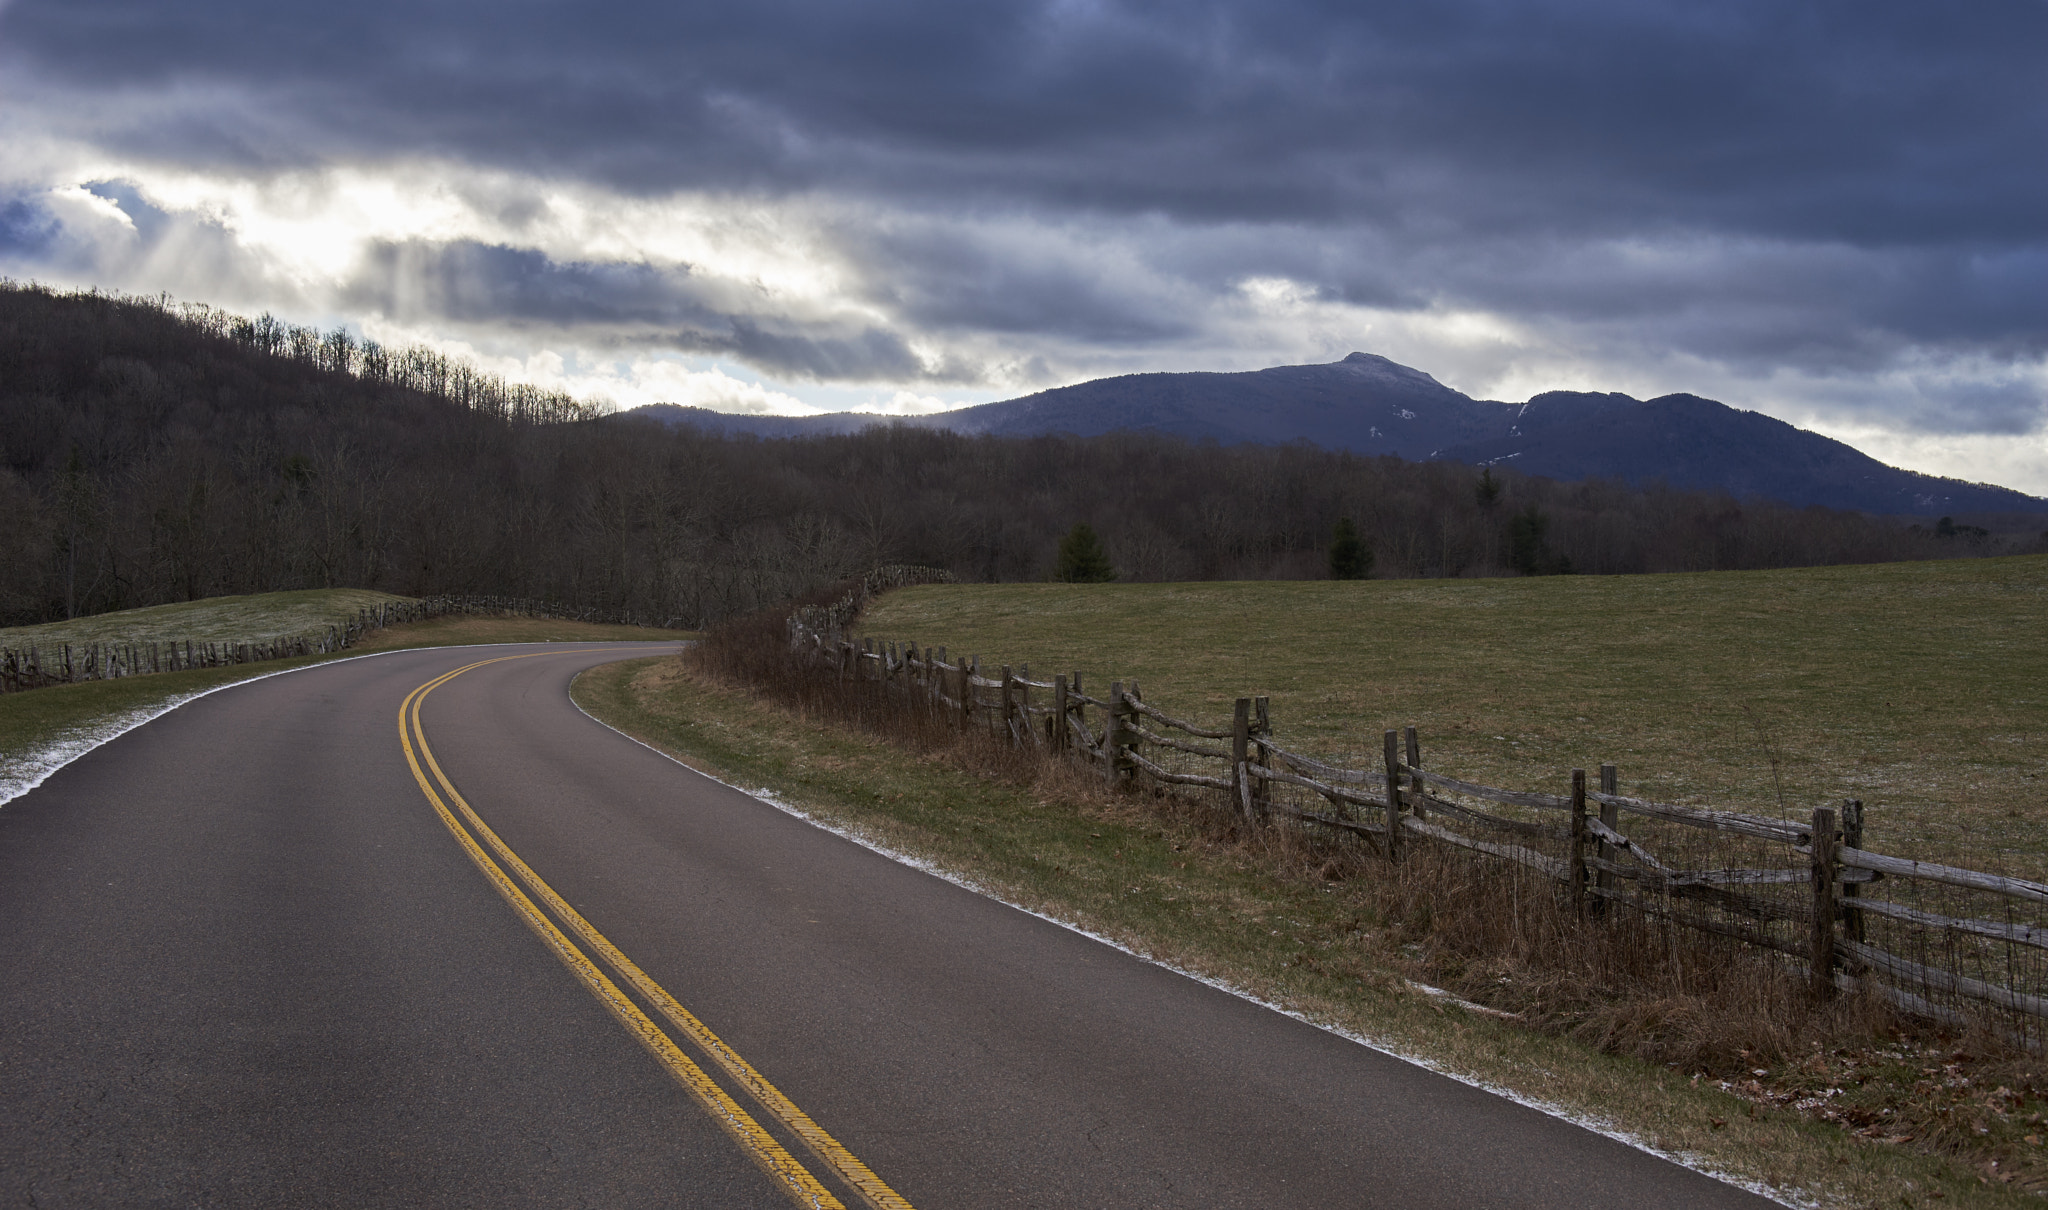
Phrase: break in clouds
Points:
(1834, 213)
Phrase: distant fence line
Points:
(67, 664)
(827, 621)
(1950, 944)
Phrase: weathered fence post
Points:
(1262, 726)
(1823, 973)
(1059, 712)
(1080, 716)
(1852, 838)
(1112, 732)
(1577, 871)
(1240, 753)
(1392, 752)
(1416, 787)
(1009, 693)
(1024, 730)
(1132, 696)
(1611, 816)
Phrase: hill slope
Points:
(1368, 404)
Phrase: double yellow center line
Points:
(760, 1145)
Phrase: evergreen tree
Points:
(1082, 559)
(1350, 557)
(1488, 490)
(1525, 541)
(1528, 552)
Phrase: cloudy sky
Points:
(1835, 213)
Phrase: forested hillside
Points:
(151, 453)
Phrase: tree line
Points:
(154, 452)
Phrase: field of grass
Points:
(246, 619)
(1920, 688)
(1168, 886)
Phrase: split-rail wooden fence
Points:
(66, 664)
(1957, 945)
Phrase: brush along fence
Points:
(65, 664)
(1938, 941)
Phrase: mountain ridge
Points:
(1368, 404)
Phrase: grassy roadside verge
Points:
(1158, 883)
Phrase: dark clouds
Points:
(1829, 188)
(1866, 122)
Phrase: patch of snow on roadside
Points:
(20, 774)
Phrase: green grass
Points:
(244, 619)
(1920, 688)
(1161, 884)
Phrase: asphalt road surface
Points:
(255, 953)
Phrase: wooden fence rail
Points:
(1936, 940)
(67, 664)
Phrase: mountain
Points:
(1371, 405)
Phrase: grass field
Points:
(1920, 688)
(245, 619)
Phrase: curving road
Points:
(255, 954)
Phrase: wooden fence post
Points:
(1059, 712)
(1080, 715)
(1611, 816)
(1025, 733)
(1009, 697)
(1416, 786)
(1262, 726)
(1392, 752)
(1132, 696)
(1852, 838)
(1112, 732)
(1240, 752)
(1823, 973)
(1577, 871)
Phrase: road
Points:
(255, 954)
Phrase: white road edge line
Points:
(1598, 1126)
